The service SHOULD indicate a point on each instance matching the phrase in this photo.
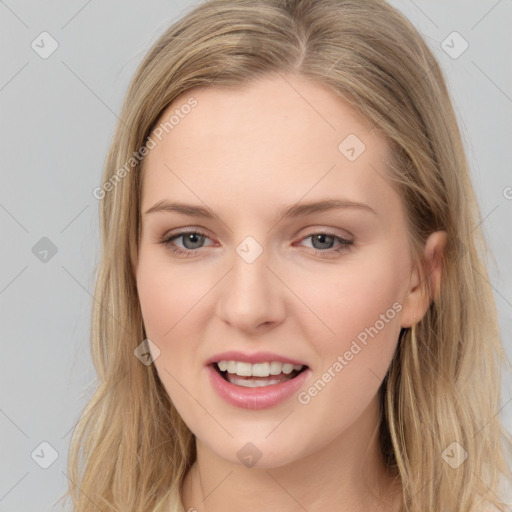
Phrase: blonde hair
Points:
(130, 449)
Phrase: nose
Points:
(251, 297)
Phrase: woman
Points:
(292, 309)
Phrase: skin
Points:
(245, 154)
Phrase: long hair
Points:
(440, 431)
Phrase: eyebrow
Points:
(295, 210)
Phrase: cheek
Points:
(360, 308)
(362, 305)
(167, 299)
(167, 296)
(158, 304)
(355, 296)
(365, 317)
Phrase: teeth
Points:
(260, 370)
(251, 383)
(257, 370)
(275, 368)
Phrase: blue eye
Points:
(188, 237)
(343, 243)
(197, 238)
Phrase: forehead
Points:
(280, 135)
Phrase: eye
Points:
(324, 240)
(192, 241)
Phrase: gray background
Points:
(58, 116)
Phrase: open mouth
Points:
(255, 381)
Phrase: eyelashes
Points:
(168, 243)
(343, 243)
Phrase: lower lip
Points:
(255, 398)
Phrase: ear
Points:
(425, 280)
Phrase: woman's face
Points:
(263, 284)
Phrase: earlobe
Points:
(425, 283)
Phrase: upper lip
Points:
(256, 357)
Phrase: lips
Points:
(255, 397)
(254, 392)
